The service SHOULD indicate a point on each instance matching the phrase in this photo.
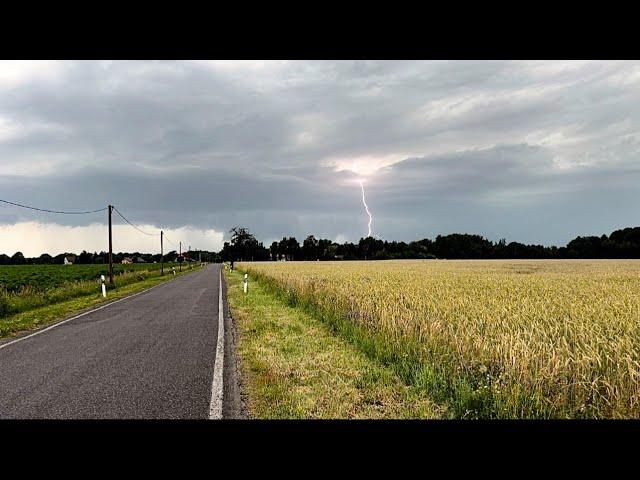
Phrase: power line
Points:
(134, 225)
(168, 240)
(53, 211)
(63, 212)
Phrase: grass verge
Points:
(48, 314)
(294, 365)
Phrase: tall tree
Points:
(243, 246)
(289, 248)
(310, 248)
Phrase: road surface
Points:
(148, 356)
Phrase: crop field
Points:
(487, 339)
(15, 277)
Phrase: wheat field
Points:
(490, 339)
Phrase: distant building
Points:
(139, 260)
(69, 259)
(127, 260)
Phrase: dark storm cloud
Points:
(270, 203)
(516, 149)
(515, 191)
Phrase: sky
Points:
(531, 151)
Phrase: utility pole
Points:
(110, 248)
(161, 254)
(181, 259)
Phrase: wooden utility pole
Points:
(110, 248)
(181, 259)
(161, 254)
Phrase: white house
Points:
(69, 259)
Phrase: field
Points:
(26, 288)
(488, 339)
(13, 278)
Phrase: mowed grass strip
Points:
(294, 367)
(127, 284)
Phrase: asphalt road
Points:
(149, 356)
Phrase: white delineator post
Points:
(104, 289)
(246, 283)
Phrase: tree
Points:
(169, 256)
(18, 259)
(243, 246)
(289, 248)
(84, 257)
(310, 248)
(370, 247)
(273, 251)
(45, 258)
(623, 243)
(240, 235)
(459, 245)
(59, 258)
(347, 251)
(326, 250)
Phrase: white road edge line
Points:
(217, 387)
(3, 345)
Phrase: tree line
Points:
(85, 257)
(243, 246)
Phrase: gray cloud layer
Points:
(531, 151)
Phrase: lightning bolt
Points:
(366, 208)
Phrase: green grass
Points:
(72, 298)
(295, 366)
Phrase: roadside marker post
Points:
(246, 283)
(104, 288)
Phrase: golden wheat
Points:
(536, 338)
